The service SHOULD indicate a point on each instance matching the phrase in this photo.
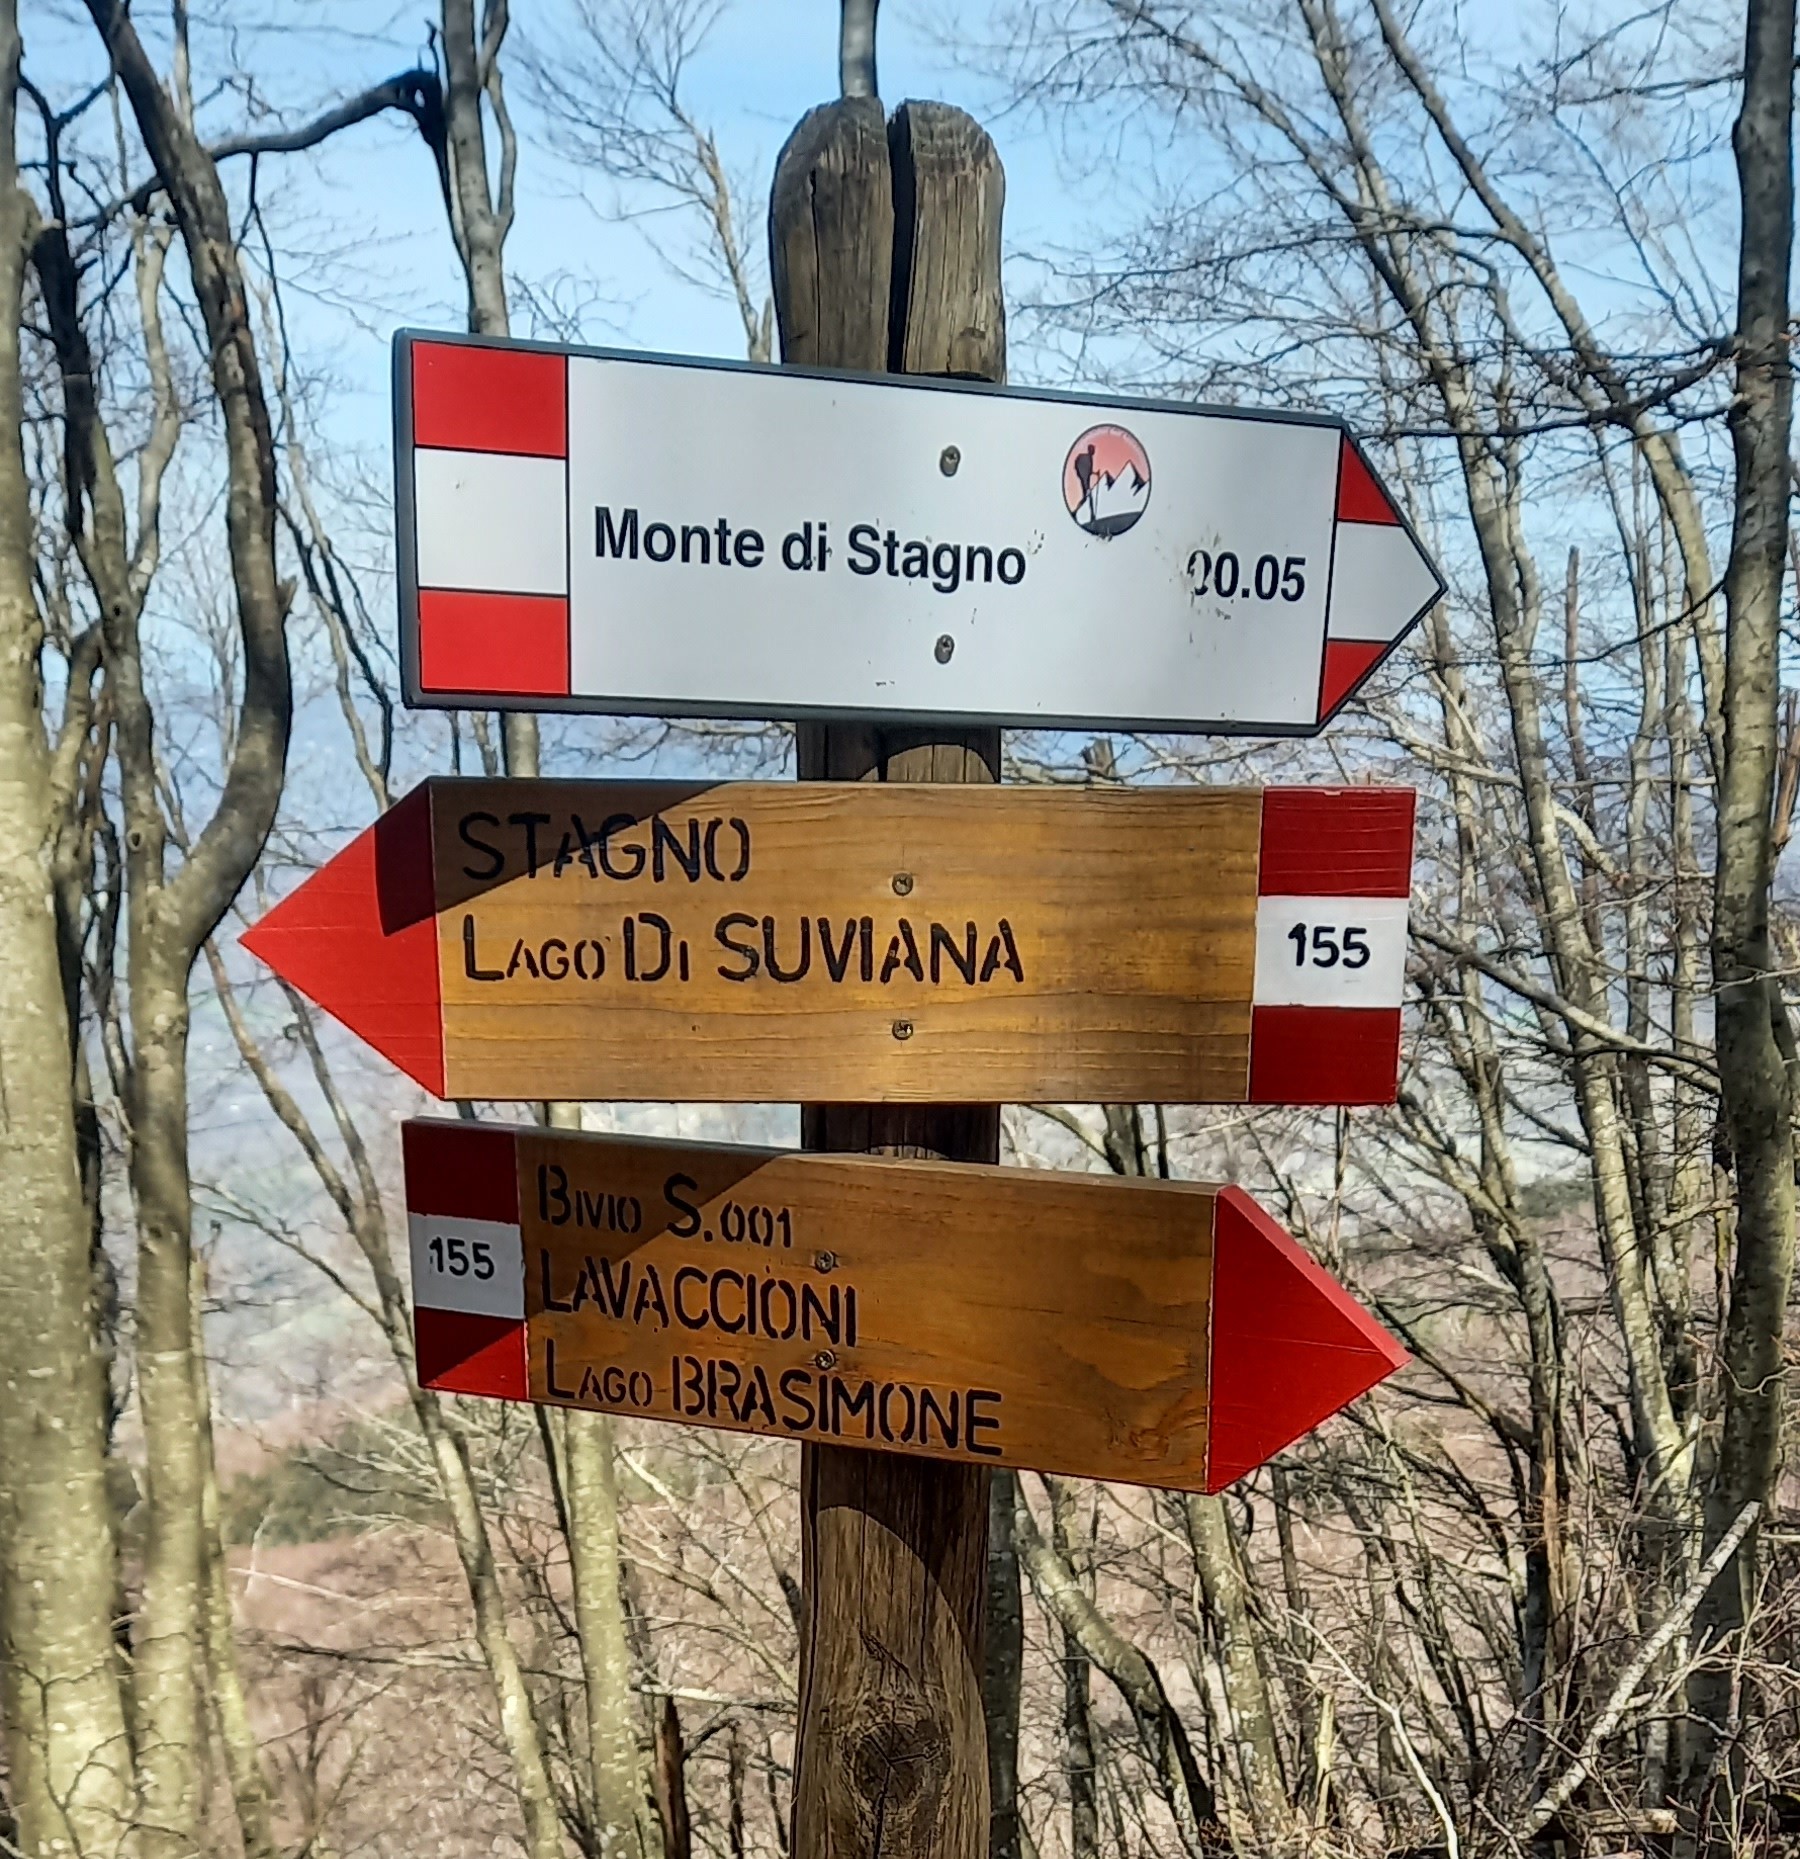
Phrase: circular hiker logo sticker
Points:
(1106, 480)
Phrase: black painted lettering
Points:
(481, 845)
(472, 968)
(689, 1274)
(837, 961)
(844, 1402)
(622, 541)
(747, 552)
(987, 562)
(963, 959)
(736, 919)
(1011, 566)
(658, 965)
(612, 1292)
(724, 1275)
(826, 1313)
(616, 823)
(588, 843)
(650, 1297)
(675, 1191)
(896, 957)
(975, 1422)
(561, 1394)
(550, 1300)
(659, 542)
(770, 961)
(531, 822)
(692, 533)
(1002, 952)
(555, 958)
(884, 1415)
(864, 558)
(553, 1195)
(663, 840)
(947, 1418)
(756, 1402)
(789, 1321)
(796, 1389)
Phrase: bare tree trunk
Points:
(1074, 1543)
(1252, 1727)
(478, 223)
(1002, 1669)
(481, 215)
(1755, 1041)
(620, 1783)
(170, 918)
(671, 1784)
(230, 1705)
(68, 1756)
(1160, 1730)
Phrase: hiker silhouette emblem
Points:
(1106, 480)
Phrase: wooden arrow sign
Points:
(756, 942)
(1160, 1333)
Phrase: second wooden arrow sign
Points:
(752, 942)
(1164, 1333)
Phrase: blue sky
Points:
(358, 226)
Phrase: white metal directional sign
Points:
(585, 530)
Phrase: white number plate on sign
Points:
(582, 530)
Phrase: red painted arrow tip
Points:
(1290, 1346)
(359, 938)
(1360, 498)
(1347, 663)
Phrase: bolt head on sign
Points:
(1160, 1333)
(582, 529)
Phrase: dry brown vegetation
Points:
(259, 1594)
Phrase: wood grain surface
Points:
(891, 1746)
(992, 1316)
(845, 941)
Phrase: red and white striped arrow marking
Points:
(1330, 945)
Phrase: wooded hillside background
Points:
(260, 1595)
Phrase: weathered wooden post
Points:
(885, 247)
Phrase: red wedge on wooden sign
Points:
(1160, 1333)
(860, 942)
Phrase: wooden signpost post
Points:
(901, 566)
(868, 942)
(1154, 1332)
(884, 246)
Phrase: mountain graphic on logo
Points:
(1106, 481)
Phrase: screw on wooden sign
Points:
(867, 942)
(1160, 1333)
